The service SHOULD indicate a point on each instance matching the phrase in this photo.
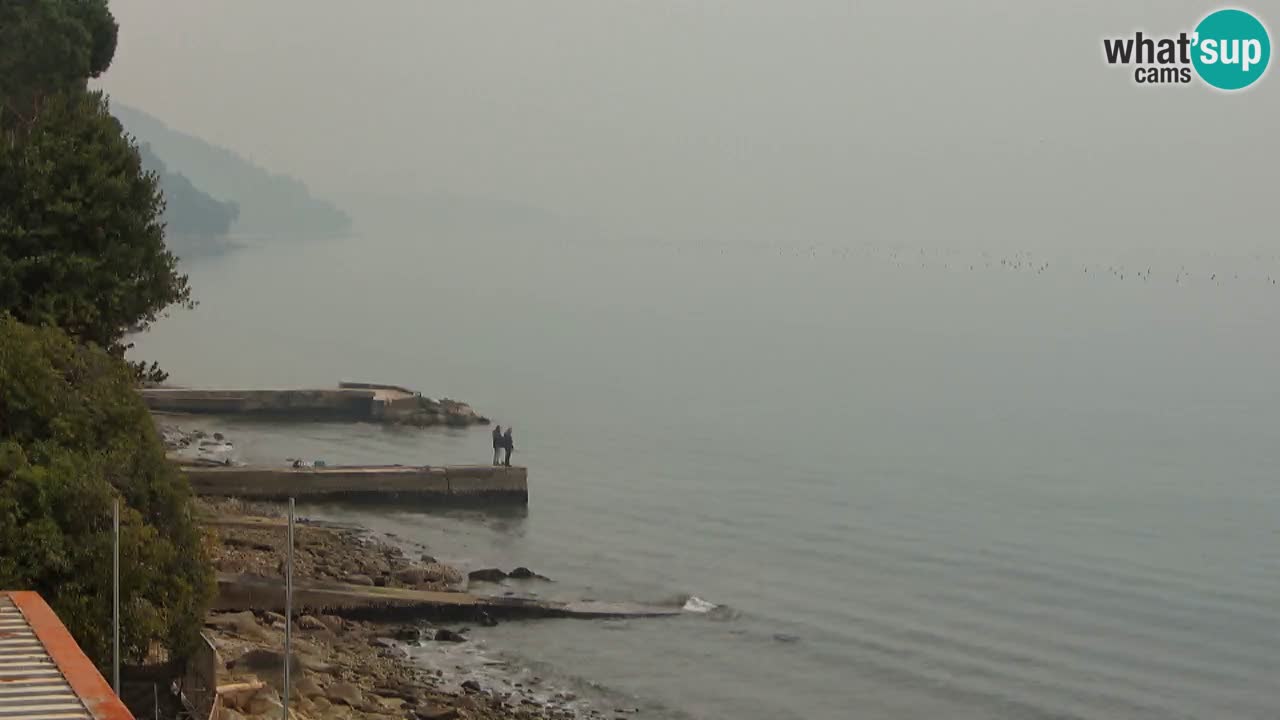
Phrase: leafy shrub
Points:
(74, 435)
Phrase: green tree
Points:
(83, 261)
(81, 236)
(49, 47)
(81, 230)
(74, 435)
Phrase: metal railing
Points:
(198, 686)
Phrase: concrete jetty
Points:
(444, 484)
(350, 401)
(249, 592)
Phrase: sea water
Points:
(884, 480)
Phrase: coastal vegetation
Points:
(81, 237)
(83, 262)
(74, 435)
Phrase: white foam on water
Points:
(696, 604)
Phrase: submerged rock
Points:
(487, 575)
(443, 635)
(524, 573)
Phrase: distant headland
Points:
(213, 194)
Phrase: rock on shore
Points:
(495, 575)
(321, 553)
(444, 411)
(347, 670)
(343, 669)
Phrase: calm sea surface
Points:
(920, 483)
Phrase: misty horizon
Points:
(921, 356)
(722, 121)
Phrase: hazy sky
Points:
(960, 120)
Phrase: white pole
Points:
(115, 596)
(288, 611)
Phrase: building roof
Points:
(43, 673)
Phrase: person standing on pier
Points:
(497, 442)
(508, 444)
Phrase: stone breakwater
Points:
(344, 669)
(358, 402)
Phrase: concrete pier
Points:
(448, 484)
(350, 401)
(336, 403)
(246, 592)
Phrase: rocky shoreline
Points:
(196, 446)
(444, 411)
(345, 669)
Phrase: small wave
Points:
(696, 604)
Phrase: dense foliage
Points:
(73, 434)
(49, 47)
(81, 238)
(83, 261)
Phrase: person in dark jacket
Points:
(497, 442)
(508, 444)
